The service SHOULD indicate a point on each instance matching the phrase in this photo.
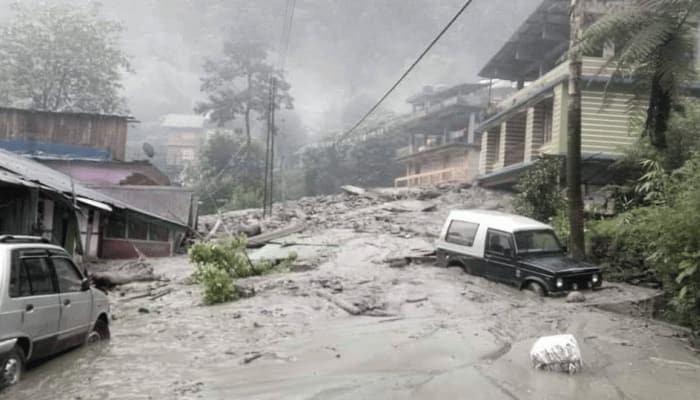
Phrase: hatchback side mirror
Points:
(85, 285)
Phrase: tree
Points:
(61, 58)
(238, 84)
(573, 152)
(655, 45)
(229, 173)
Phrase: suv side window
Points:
(69, 279)
(499, 243)
(461, 232)
(35, 277)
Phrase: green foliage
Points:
(655, 44)
(217, 285)
(229, 174)
(60, 57)
(217, 265)
(540, 195)
(621, 245)
(659, 241)
(368, 163)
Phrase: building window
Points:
(158, 233)
(137, 229)
(116, 227)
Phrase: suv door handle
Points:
(29, 308)
(66, 302)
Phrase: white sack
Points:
(556, 353)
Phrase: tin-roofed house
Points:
(38, 200)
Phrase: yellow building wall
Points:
(606, 122)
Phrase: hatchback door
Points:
(34, 295)
(499, 256)
(76, 304)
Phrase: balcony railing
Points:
(433, 177)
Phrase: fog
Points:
(342, 54)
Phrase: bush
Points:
(217, 265)
(540, 196)
(621, 245)
(217, 285)
(661, 241)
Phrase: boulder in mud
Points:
(244, 291)
(575, 297)
(559, 353)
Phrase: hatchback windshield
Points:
(537, 242)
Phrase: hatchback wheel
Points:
(12, 367)
(99, 332)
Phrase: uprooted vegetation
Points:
(219, 264)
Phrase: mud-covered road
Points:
(422, 332)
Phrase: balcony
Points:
(431, 178)
(431, 142)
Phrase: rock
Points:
(556, 353)
(428, 194)
(144, 310)
(244, 291)
(354, 190)
(236, 315)
(430, 208)
(301, 267)
(398, 262)
(575, 297)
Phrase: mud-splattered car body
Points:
(512, 249)
(46, 304)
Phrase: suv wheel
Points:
(99, 332)
(536, 288)
(11, 367)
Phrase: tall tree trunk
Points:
(247, 107)
(247, 125)
(573, 154)
(658, 113)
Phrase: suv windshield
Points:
(544, 241)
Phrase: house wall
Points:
(122, 248)
(606, 122)
(97, 131)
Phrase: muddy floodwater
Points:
(421, 332)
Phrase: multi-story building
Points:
(533, 121)
(444, 145)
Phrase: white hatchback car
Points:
(46, 304)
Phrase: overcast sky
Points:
(341, 51)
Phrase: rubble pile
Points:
(370, 211)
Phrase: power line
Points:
(408, 71)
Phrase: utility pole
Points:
(268, 185)
(573, 153)
(272, 143)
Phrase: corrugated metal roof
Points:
(34, 172)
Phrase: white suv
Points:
(46, 304)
